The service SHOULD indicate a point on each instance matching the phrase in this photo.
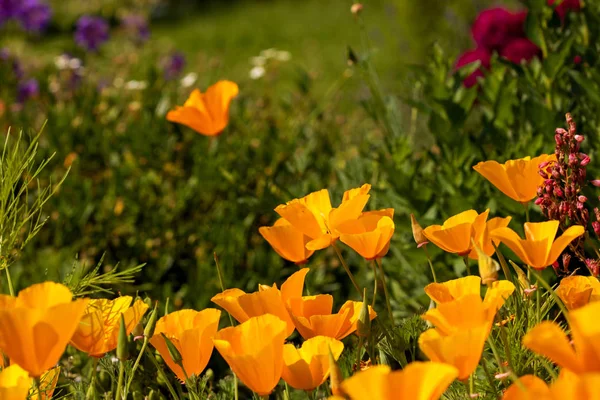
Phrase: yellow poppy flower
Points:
(206, 113)
(539, 249)
(98, 330)
(485, 241)
(457, 233)
(453, 289)
(191, 332)
(314, 216)
(518, 179)
(417, 381)
(14, 383)
(307, 368)
(267, 300)
(48, 383)
(370, 234)
(38, 324)
(287, 241)
(577, 291)
(254, 351)
(549, 340)
(313, 316)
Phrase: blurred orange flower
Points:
(191, 332)
(307, 368)
(370, 234)
(577, 291)
(457, 233)
(206, 113)
(518, 179)
(313, 316)
(287, 241)
(530, 387)
(98, 330)
(38, 324)
(567, 386)
(254, 351)
(314, 216)
(539, 249)
(267, 300)
(417, 381)
(14, 383)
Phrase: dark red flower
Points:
(472, 56)
(520, 49)
(563, 8)
(495, 27)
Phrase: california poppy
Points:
(267, 300)
(370, 234)
(307, 367)
(577, 291)
(457, 233)
(529, 387)
(98, 330)
(206, 113)
(567, 386)
(539, 249)
(518, 179)
(254, 351)
(192, 333)
(314, 216)
(313, 316)
(287, 241)
(417, 381)
(485, 241)
(38, 324)
(47, 385)
(14, 383)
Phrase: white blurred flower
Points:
(136, 85)
(258, 61)
(283, 55)
(189, 80)
(118, 82)
(257, 72)
(61, 62)
(74, 63)
(269, 53)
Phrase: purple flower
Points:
(137, 26)
(173, 65)
(27, 89)
(495, 27)
(521, 49)
(34, 15)
(9, 9)
(91, 32)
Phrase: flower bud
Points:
(151, 324)
(579, 138)
(417, 231)
(356, 8)
(335, 376)
(488, 267)
(122, 345)
(596, 227)
(363, 325)
(173, 352)
(582, 199)
(595, 182)
(585, 160)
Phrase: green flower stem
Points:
(120, 381)
(490, 379)
(11, 289)
(162, 374)
(466, 260)
(430, 263)
(136, 365)
(546, 286)
(339, 254)
(374, 283)
(503, 263)
(385, 291)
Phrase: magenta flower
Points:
(565, 6)
(518, 50)
(91, 32)
(495, 27)
(472, 56)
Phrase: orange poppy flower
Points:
(38, 324)
(530, 387)
(370, 234)
(206, 113)
(548, 339)
(457, 233)
(567, 386)
(98, 330)
(539, 249)
(254, 351)
(518, 179)
(307, 368)
(577, 291)
(287, 241)
(312, 316)
(267, 300)
(191, 332)
(14, 383)
(485, 243)
(314, 216)
(48, 383)
(417, 381)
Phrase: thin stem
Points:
(546, 286)
(471, 386)
(339, 254)
(466, 260)
(374, 282)
(358, 349)
(310, 394)
(36, 385)
(385, 291)
(120, 381)
(136, 365)
(90, 394)
(512, 375)
(490, 379)
(503, 263)
(430, 263)
(162, 374)
(526, 205)
(11, 290)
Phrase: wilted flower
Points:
(469, 57)
(287, 241)
(308, 367)
(192, 333)
(539, 249)
(206, 113)
(34, 15)
(173, 65)
(91, 32)
(254, 351)
(417, 232)
(370, 234)
(38, 324)
(457, 233)
(577, 291)
(98, 330)
(14, 383)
